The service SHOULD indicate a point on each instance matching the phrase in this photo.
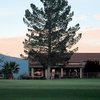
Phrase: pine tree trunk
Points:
(49, 51)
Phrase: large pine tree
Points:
(50, 38)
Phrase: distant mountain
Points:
(23, 64)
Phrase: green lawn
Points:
(69, 89)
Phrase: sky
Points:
(13, 29)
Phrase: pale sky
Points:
(12, 28)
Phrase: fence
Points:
(91, 75)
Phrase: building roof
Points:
(76, 59)
(80, 57)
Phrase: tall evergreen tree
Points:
(50, 39)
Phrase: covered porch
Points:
(72, 70)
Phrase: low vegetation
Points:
(69, 89)
(8, 69)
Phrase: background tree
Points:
(92, 68)
(9, 68)
(50, 39)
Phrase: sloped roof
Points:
(75, 60)
(80, 57)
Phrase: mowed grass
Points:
(68, 89)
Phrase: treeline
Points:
(92, 68)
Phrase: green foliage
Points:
(92, 68)
(9, 68)
(50, 39)
(69, 89)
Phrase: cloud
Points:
(97, 16)
(90, 41)
(12, 46)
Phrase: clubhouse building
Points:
(74, 69)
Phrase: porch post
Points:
(62, 72)
(46, 73)
(80, 72)
(32, 72)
